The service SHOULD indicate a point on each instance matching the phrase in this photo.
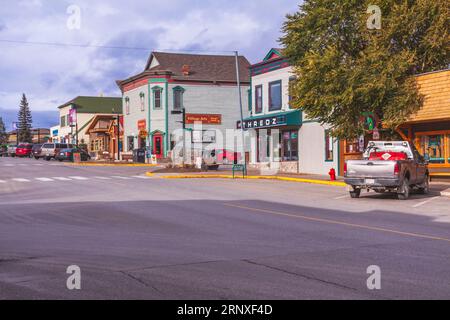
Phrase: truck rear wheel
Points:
(405, 190)
(424, 188)
(355, 193)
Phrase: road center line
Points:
(425, 202)
(45, 179)
(20, 180)
(336, 222)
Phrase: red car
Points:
(227, 156)
(24, 150)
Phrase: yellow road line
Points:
(329, 221)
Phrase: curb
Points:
(445, 193)
(220, 176)
(111, 164)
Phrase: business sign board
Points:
(266, 122)
(141, 124)
(191, 118)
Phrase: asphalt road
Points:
(136, 237)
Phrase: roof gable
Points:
(201, 67)
(274, 53)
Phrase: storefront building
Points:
(429, 128)
(204, 85)
(77, 115)
(286, 139)
(104, 138)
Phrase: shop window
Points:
(448, 148)
(432, 148)
(289, 142)
(178, 98)
(275, 96)
(328, 146)
(157, 97)
(258, 99)
(130, 143)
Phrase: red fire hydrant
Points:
(332, 174)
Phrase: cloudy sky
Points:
(51, 74)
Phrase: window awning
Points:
(288, 118)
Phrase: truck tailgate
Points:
(370, 168)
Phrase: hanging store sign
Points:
(268, 122)
(72, 117)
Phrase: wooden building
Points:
(104, 140)
(429, 128)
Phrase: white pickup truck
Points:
(388, 166)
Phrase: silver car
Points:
(50, 150)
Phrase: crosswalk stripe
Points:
(78, 178)
(61, 178)
(102, 178)
(44, 179)
(20, 180)
(121, 177)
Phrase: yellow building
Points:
(429, 128)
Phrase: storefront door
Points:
(158, 146)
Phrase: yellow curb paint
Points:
(218, 176)
(149, 174)
(337, 222)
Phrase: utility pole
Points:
(184, 135)
(236, 54)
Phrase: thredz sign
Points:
(263, 122)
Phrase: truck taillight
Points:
(345, 168)
(396, 169)
(67, 154)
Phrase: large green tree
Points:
(24, 121)
(344, 68)
(3, 134)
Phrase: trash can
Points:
(139, 155)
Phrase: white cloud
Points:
(51, 75)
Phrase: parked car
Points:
(393, 166)
(24, 150)
(225, 156)
(67, 154)
(50, 150)
(36, 151)
(12, 150)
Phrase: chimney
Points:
(186, 69)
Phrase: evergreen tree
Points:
(3, 134)
(24, 121)
(345, 69)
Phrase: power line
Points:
(60, 44)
